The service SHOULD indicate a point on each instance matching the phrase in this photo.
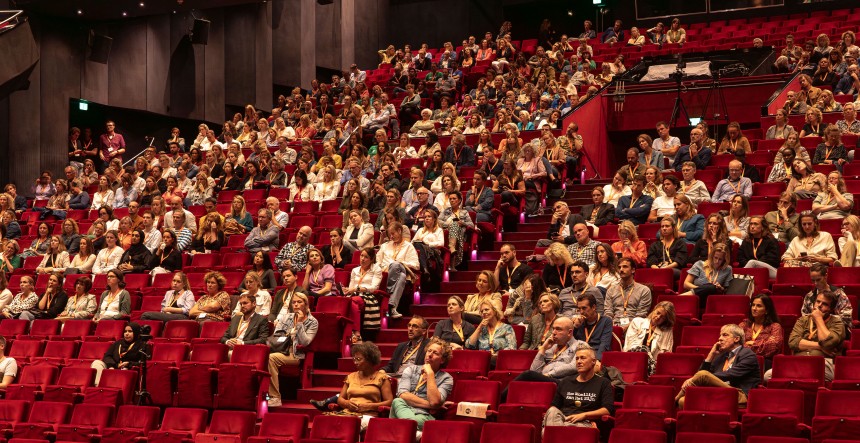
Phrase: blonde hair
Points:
(628, 227)
(558, 254)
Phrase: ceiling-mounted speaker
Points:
(325, 2)
(100, 48)
(200, 32)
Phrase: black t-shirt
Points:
(576, 397)
(516, 276)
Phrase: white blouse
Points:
(107, 259)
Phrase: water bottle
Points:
(582, 176)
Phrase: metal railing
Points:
(10, 19)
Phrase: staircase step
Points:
(526, 246)
(430, 310)
(452, 286)
(296, 408)
(434, 298)
(519, 236)
(328, 378)
(393, 335)
(305, 395)
(387, 349)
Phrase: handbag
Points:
(280, 342)
(741, 285)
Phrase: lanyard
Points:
(555, 356)
(633, 201)
(626, 296)
(737, 188)
(409, 354)
(422, 381)
(589, 333)
(756, 333)
(756, 246)
(243, 326)
(562, 275)
(459, 331)
(122, 354)
(728, 363)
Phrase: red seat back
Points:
(333, 427)
(633, 365)
(390, 430)
(530, 393)
(239, 423)
(508, 432)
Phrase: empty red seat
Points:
(703, 437)
(836, 416)
(698, 339)
(508, 432)
(566, 434)
(449, 432)
(774, 412)
(469, 363)
(846, 373)
(708, 409)
(170, 352)
(639, 436)
(69, 385)
(12, 412)
(332, 427)
(31, 382)
(131, 422)
(390, 430)
(646, 407)
(182, 331)
(633, 365)
(526, 403)
(44, 418)
(228, 426)
(510, 363)
(179, 425)
(87, 421)
(281, 428)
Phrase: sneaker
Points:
(274, 402)
(321, 405)
(392, 312)
(418, 435)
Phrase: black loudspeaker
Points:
(200, 32)
(100, 48)
(325, 2)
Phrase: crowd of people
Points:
(331, 143)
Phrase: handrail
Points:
(11, 21)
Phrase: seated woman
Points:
(540, 324)
(523, 302)
(136, 259)
(615, 190)
(124, 353)
(168, 258)
(491, 334)
(486, 284)
(319, 277)
(24, 301)
(711, 276)
(177, 302)
(598, 213)
(427, 241)
(810, 246)
(715, 232)
(10, 260)
(56, 259)
(784, 222)
(762, 331)
(457, 222)
(40, 244)
(604, 271)
(254, 287)
(238, 220)
(849, 244)
(737, 221)
(364, 280)
(335, 253)
(834, 201)
(215, 303)
(261, 264)
(629, 244)
(652, 334)
(359, 232)
(52, 302)
(294, 327)
(691, 226)
(365, 390)
(557, 274)
(454, 329)
(83, 261)
(670, 252)
(210, 237)
(82, 305)
(813, 126)
(108, 258)
(760, 249)
(5, 294)
(805, 182)
(116, 302)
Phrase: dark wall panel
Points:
(239, 51)
(328, 36)
(182, 71)
(286, 36)
(263, 55)
(214, 68)
(25, 137)
(157, 64)
(127, 72)
(60, 62)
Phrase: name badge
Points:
(282, 339)
(624, 321)
(202, 315)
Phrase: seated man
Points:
(554, 359)
(294, 326)
(480, 198)
(422, 389)
(279, 218)
(591, 327)
(729, 364)
(735, 184)
(248, 328)
(176, 205)
(561, 225)
(264, 236)
(637, 206)
(627, 299)
(581, 399)
(695, 152)
(400, 259)
(633, 167)
(410, 352)
(842, 307)
(294, 255)
(819, 333)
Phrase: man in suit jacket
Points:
(605, 212)
(410, 352)
(248, 328)
(729, 364)
(561, 226)
(480, 198)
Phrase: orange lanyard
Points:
(728, 363)
(633, 201)
(589, 333)
(555, 356)
(626, 296)
(827, 152)
(122, 354)
(410, 354)
(736, 188)
(459, 331)
(756, 333)
(755, 246)
(562, 275)
(243, 326)
(421, 382)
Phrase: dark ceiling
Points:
(111, 10)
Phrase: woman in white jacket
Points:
(359, 234)
(652, 334)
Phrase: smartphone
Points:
(803, 254)
(618, 254)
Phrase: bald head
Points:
(304, 235)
